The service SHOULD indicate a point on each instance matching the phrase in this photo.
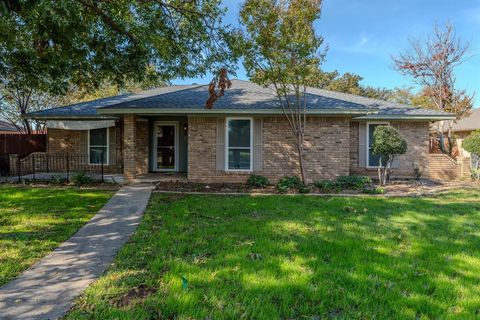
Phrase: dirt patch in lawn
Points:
(139, 293)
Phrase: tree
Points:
(281, 50)
(432, 65)
(346, 83)
(472, 145)
(387, 143)
(49, 45)
(14, 104)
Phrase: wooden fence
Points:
(22, 144)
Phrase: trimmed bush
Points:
(373, 190)
(287, 183)
(257, 181)
(353, 182)
(327, 186)
(305, 189)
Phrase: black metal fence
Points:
(45, 167)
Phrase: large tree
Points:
(431, 64)
(281, 50)
(49, 45)
(346, 83)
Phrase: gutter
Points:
(225, 111)
(447, 116)
(67, 117)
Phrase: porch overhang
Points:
(79, 124)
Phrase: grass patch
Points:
(281, 257)
(34, 221)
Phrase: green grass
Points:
(299, 257)
(34, 221)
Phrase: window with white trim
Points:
(239, 144)
(98, 146)
(373, 159)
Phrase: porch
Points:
(155, 148)
(150, 178)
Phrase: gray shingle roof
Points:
(6, 126)
(472, 122)
(243, 96)
(89, 108)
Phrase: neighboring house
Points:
(464, 127)
(169, 130)
(6, 127)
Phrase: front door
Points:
(166, 146)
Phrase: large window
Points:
(373, 160)
(239, 144)
(98, 146)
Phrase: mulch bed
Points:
(394, 187)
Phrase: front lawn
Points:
(34, 221)
(282, 257)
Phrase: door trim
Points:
(155, 145)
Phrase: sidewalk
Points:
(48, 288)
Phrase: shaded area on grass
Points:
(34, 221)
(296, 257)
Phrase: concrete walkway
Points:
(48, 288)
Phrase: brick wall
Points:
(141, 147)
(68, 141)
(202, 139)
(129, 141)
(417, 136)
(326, 150)
(63, 141)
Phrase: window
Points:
(98, 146)
(373, 160)
(239, 144)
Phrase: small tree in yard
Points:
(472, 145)
(387, 143)
(281, 51)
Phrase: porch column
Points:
(129, 146)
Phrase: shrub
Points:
(287, 183)
(472, 145)
(353, 182)
(305, 189)
(327, 186)
(387, 143)
(475, 174)
(80, 178)
(472, 142)
(373, 190)
(58, 179)
(257, 181)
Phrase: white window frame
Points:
(108, 148)
(155, 143)
(368, 139)
(227, 144)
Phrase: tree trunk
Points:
(388, 166)
(380, 178)
(441, 142)
(300, 157)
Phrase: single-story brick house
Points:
(169, 130)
